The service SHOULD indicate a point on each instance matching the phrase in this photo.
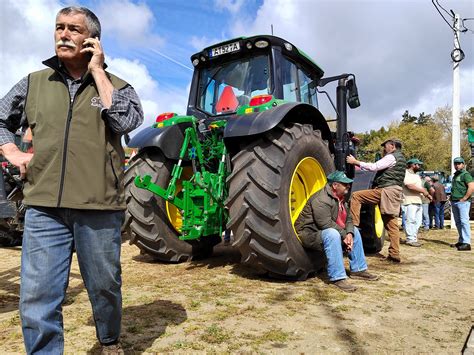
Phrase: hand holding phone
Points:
(93, 46)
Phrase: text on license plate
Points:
(226, 48)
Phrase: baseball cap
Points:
(339, 176)
(396, 141)
(459, 160)
(414, 161)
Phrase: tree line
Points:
(426, 137)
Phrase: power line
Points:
(457, 54)
(437, 2)
(444, 18)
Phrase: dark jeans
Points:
(48, 241)
(439, 214)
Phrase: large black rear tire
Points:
(259, 199)
(147, 220)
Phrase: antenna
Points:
(272, 28)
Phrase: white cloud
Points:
(233, 6)
(27, 29)
(441, 96)
(130, 24)
(399, 51)
(154, 99)
(199, 43)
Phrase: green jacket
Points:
(394, 175)
(78, 159)
(319, 213)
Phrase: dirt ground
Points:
(424, 305)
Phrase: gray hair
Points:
(92, 22)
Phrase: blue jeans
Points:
(461, 217)
(426, 215)
(439, 214)
(332, 244)
(404, 216)
(49, 238)
(414, 216)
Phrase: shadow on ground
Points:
(143, 324)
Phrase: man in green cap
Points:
(413, 190)
(462, 188)
(387, 191)
(325, 224)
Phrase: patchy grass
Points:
(215, 335)
(220, 306)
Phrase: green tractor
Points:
(251, 150)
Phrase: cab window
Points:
(298, 86)
(225, 87)
(289, 80)
(307, 88)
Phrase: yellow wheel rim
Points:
(378, 222)
(174, 215)
(308, 178)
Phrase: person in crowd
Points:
(387, 191)
(425, 203)
(75, 110)
(413, 190)
(325, 224)
(462, 188)
(439, 200)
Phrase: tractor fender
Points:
(260, 122)
(169, 140)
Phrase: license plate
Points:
(226, 48)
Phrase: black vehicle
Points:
(12, 209)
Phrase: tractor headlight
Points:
(261, 44)
(195, 61)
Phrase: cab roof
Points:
(294, 52)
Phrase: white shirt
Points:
(386, 162)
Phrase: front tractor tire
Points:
(271, 180)
(152, 222)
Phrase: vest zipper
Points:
(66, 137)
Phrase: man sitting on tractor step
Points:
(387, 192)
(325, 224)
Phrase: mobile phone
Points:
(88, 45)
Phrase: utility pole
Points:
(456, 138)
(456, 129)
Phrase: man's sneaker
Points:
(115, 349)
(455, 245)
(413, 244)
(344, 285)
(364, 275)
(464, 247)
(394, 259)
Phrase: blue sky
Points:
(399, 50)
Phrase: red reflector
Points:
(260, 100)
(164, 116)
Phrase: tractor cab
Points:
(229, 75)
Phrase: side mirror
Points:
(352, 95)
